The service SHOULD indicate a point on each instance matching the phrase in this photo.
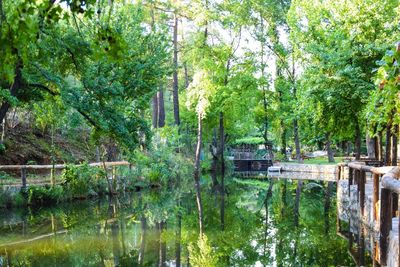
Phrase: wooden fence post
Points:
(385, 223)
(357, 182)
(351, 173)
(23, 177)
(362, 191)
(375, 196)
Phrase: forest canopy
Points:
(300, 75)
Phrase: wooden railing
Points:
(24, 168)
(385, 180)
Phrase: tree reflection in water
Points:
(255, 223)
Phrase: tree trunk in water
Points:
(186, 75)
(394, 144)
(388, 145)
(370, 142)
(154, 107)
(161, 109)
(329, 148)
(197, 171)
(327, 205)
(297, 202)
(178, 235)
(175, 92)
(214, 163)
(296, 139)
(222, 207)
(358, 141)
(222, 144)
(163, 245)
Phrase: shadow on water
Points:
(247, 223)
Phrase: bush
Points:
(161, 164)
(279, 156)
(39, 195)
(83, 181)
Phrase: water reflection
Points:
(247, 223)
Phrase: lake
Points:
(254, 223)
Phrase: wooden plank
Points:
(391, 183)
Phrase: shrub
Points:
(279, 156)
(47, 195)
(83, 181)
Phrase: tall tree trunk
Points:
(197, 171)
(358, 141)
(380, 145)
(329, 148)
(283, 139)
(175, 92)
(296, 139)
(394, 144)
(154, 107)
(388, 145)
(161, 109)
(370, 142)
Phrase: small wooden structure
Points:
(252, 165)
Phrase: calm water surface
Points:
(252, 224)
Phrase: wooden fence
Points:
(24, 168)
(385, 181)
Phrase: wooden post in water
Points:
(395, 203)
(23, 177)
(357, 182)
(362, 191)
(375, 196)
(385, 223)
(351, 173)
